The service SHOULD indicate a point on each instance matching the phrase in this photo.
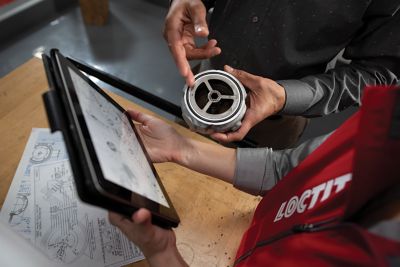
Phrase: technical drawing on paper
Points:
(16, 214)
(47, 147)
(65, 246)
(113, 242)
(71, 232)
(42, 147)
(41, 153)
(65, 239)
(48, 213)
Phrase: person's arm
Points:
(259, 169)
(210, 159)
(165, 144)
(186, 19)
(248, 169)
(375, 55)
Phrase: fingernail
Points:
(198, 28)
(191, 83)
(228, 68)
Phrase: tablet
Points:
(109, 161)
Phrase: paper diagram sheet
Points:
(42, 205)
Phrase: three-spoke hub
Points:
(217, 101)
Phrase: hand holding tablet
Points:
(110, 164)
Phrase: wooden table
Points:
(213, 214)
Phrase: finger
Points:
(190, 79)
(220, 137)
(173, 36)
(113, 217)
(201, 53)
(127, 227)
(248, 80)
(234, 136)
(197, 12)
(142, 221)
(179, 54)
(239, 134)
(142, 217)
(182, 63)
(207, 50)
(118, 220)
(210, 44)
(229, 137)
(139, 116)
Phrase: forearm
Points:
(260, 169)
(333, 91)
(209, 159)
(251, 170)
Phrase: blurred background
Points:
(121, 37)
(128, 42)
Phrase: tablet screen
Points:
(118, 150)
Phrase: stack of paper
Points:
(42, 205)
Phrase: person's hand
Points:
(162, 141)
(185, 20)
(157, 244)
(264, 98)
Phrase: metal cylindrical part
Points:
(216, 102)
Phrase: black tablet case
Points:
(57, 117)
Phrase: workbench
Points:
(213, 214)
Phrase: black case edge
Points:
(57, 118)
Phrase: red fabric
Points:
(348, 245)
(378, 156)
(333, 182)
(5, 2)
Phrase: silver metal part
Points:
(216, 102)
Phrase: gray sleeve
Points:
(259, 169)
(375, 59)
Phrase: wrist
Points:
(183, 152)
(279, 97)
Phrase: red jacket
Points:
(304, 219)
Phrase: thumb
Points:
(142, 218)
(198, 13)
(247, 79)
(139, 116)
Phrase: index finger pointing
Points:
(179, 54)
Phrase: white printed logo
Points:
(297, 204)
